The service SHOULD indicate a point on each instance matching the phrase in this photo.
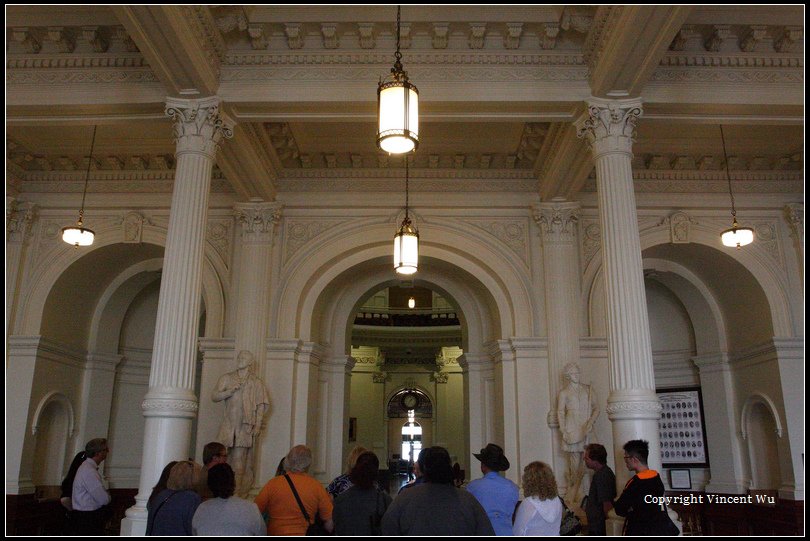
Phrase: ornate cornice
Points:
(748, 75)
(738, 60)
(695, 182)
(74, 61)
(360, 58)
(449, 72)
(82, 76)
(454, 184)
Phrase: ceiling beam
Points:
(181, 43)
(563, 164)
(249, 163)
(626, 43)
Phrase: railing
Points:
(392, 317)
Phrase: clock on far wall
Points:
(409, 401)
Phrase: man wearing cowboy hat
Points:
(496, 494)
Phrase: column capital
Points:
(19, 216)
(258, 219)
(557, 220)
(199, 125)
(611, 122)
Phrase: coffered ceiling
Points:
(500, 87)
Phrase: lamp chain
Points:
(406, 188)
(397, 69)
(87, 173)
(728, 175)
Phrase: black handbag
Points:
(570, 523)
(315, 527)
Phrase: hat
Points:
(492, 457)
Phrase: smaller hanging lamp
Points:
(406, 241)
(397, 108)
(736, 236)
(78, 235)
(411, 303)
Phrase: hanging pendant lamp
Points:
(736, 235)
(397, 108)
(406, 241)
(77, 235)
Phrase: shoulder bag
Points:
(315, 527)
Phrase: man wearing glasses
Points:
(643, 516)
(90, 499)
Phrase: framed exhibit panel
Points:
(681, 428)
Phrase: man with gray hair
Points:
(90, 498)
(278, 497)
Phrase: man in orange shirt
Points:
(277, 500)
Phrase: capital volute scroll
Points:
(613, 119)
(199, 125)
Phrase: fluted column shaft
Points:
(170, 404)
(633, 406)
(557, 221)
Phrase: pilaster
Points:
(20, 216)
(725, 457)
(170, 404)
(608, 127)
(97, 388)
(479, 400)
(257, 222)
(334, 389)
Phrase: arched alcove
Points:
(762, 429)
(52, 428)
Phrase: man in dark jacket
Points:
(638, 502)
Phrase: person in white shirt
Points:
(541, 512)
(90, 498)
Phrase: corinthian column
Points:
(258, 220)
(633, 407)
(170, 404)
(557, 221)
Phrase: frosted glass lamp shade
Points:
(398, 116)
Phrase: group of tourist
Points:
(190, 499)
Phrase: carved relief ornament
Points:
(258, 220)
(557, 221)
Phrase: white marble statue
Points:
(576, 413)
(246, 402)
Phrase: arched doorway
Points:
(406, 366)
(315, 314)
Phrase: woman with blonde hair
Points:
(342, 483)
(171, 510)
(540, 512)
